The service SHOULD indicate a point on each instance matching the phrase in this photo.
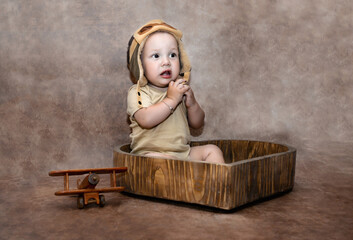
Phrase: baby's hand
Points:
(190, 99)
(176, 90)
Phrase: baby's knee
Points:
(210, 153)
(215, 154)
(214, 149)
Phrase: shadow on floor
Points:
(202, 207)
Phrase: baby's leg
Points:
(210, 153)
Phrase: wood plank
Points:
(88, 170)
(81, 191)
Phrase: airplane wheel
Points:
(101, 200)
(80, 202)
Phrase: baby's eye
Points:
(156, 55)
(173, 55)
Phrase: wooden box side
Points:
(187, 181)
(261, 178)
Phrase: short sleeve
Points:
(132, 104)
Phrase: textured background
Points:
(266, 70)
(263, 70)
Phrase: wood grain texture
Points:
(253, 170)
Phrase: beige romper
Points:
(170, 137)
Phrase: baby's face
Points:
(160, 59)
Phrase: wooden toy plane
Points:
(86, 189)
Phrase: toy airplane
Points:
(86, 189)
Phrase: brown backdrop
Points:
(266, 70)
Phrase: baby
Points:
(161, 104)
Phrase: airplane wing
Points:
(81, 191)
(88, 170)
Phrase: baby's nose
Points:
(165, 61)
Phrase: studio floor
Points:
(319, 207)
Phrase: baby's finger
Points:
(182, 86)
(180, 81)
(186, 88)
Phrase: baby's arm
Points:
(153, 115)
(196, 115)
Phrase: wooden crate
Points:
(253, 170)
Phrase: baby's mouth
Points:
(166, 74)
